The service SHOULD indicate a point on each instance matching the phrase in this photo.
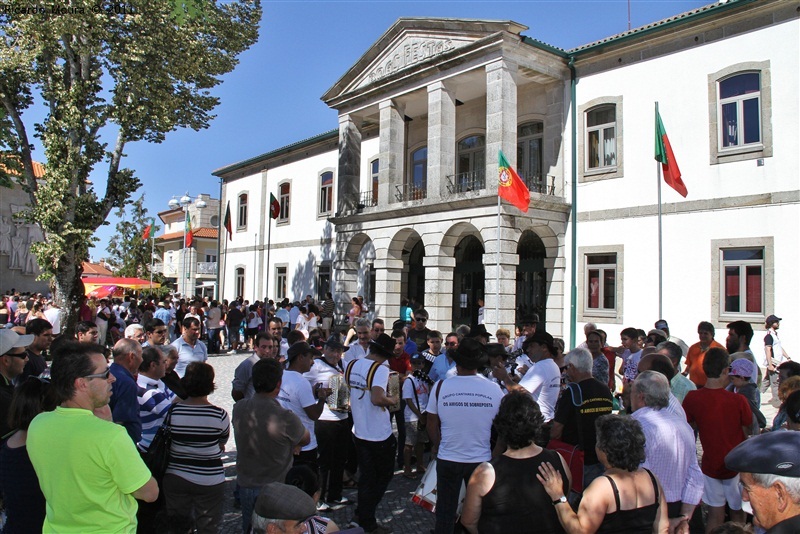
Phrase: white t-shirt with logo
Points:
(466, 406)
(370, 422)
(321, 373)
(423, 390)
(543, 381)
(295, 395)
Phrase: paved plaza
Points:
(395, 510)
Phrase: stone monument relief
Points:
(16, 238)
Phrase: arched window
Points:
(418, 188)
(241, 222)
(285, 192)
(471, 164)
(239, 282)
(529, 155)
(325, 193)
(374, 171)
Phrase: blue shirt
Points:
(283, 315)
(188, 354)
(440, 367)
(124, 402)
(164, 315)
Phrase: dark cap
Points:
(661, 324)
(418, 358)
(542, 338)
(285, 502)
(399, 324)
(479, 331)
(471, 354)
(383, 346)
(773, 453)
(301, 347)
(335, 342)
(496, 350)
(773, 319)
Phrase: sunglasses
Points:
(421, 319)
(20, 355)
(450, 344)
(103, 375)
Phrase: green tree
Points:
(131, 254)
(136, 75)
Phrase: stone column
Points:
(439, 291)
(441, 138)
(349, 171)
(500, 300)
(392, 151)
(501, 117)
(388, 282)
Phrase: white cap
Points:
(11, 340)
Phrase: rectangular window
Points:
(740, 110)
(375, 174)
(239, 282)
(323, 280)
(601, 137)
(601, 283)
(241, 222)
(281, 280)
(325, 193)
(742, 272)
(285, 191)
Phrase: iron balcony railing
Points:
(206, 267)
(467, 181)
(410, 192)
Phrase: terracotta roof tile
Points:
(208, 233)
(96, 269)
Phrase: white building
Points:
(401, 201)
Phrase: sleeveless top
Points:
(517, 501)
(638, 520)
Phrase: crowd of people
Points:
(523, 435)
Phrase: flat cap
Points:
(773, 453)
(282, 501)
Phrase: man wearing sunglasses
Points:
(12, 361)
(84, 462)
(419, 334)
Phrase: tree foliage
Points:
(137, 73)
(128, 252)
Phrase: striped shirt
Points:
(154, 402)
(198, 431)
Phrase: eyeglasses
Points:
(453, 344)
(421, 319)
(103, 375)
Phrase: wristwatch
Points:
(560, 500)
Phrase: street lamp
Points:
(184, 202)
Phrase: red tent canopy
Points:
(92, 283)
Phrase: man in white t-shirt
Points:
(297, 395)
(543, 381)
(372, 429)
(415, 394)
(460, 414)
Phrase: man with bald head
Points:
(679, 384)
(662, 365)
(124, 401)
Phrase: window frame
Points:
(324, 269)
(738, 101)
(600, 173)
(281, 289)
(742, 152)
(284, 200)
(421, 192)
(239, 281)
(375, 170)
(524, 154)
(324, 191)
(605, 315)
(240, 209)
(600, 129)
(718, 247)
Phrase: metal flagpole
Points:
(660, 251)
(497, 273)
(152, 253)
(255, 264)
(269, 239)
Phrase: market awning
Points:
(93, 283)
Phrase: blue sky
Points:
(273, 97)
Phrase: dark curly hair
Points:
(198, 380)
(622, 440)
(519, 420)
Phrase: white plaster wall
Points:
(679, 82)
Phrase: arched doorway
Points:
(416, 276)
(468, 281)
(531, 278)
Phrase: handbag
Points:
(157, 456)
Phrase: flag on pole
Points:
(669, 166)
(147, 230)
(274, 207)
(510, 186)
(227, 221)
(188, 230)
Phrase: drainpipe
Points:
(217, 289)
(573, 311)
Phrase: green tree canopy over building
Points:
(139, 73)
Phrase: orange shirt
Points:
(694, 361)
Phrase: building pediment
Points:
(413, 42)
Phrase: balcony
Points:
(538, 183)
(466, 181)
(368, 199)
(206, 267)
(410, 192)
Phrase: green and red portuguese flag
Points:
(669, 166)
(188, 229)
(147, 230)
(227, 222)
(274, 207)
(510, 186)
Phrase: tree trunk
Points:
(68, 292)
